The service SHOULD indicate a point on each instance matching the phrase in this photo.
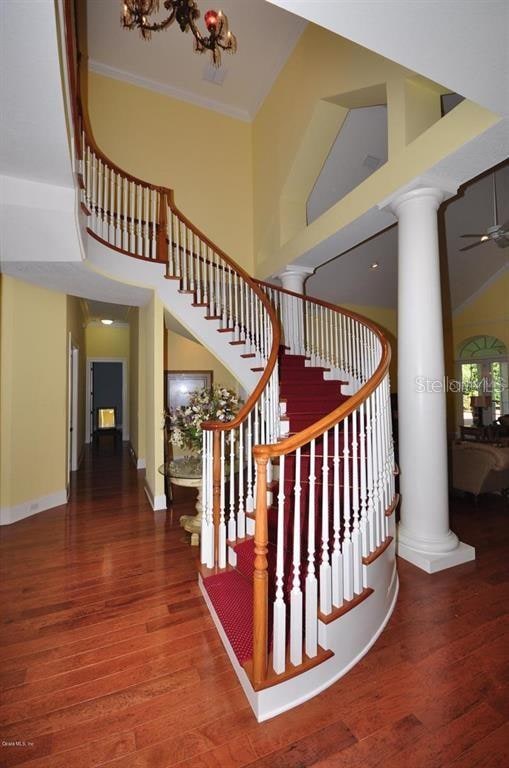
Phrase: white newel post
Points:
(424, 537)
(293, 279)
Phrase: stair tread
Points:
(231, 594)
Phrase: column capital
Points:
(435, 188)
(295, 270)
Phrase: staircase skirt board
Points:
(349, 638)
(149, 273)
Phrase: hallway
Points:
(109, 657)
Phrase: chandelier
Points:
(136, 14)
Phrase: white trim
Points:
(156, 502)
(138, 463)
(168, 90)
(125, 393)
(475, 295)
(74, 407)
(9, 515)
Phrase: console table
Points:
(187, 472)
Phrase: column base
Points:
(434, 562)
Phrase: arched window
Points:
(484, 379)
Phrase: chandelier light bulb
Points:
(211, 19)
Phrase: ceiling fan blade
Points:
(474, 245)
(477, 234)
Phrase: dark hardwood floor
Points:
(109, 658)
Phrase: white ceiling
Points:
(32, 119)
(265, 35)
(77, 279)
(349, 279)
(461, 44)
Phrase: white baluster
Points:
(296, 593)
(132, 217)
(118, 217)
(93, 206)
(100, 212)
(232, 527)
(198, 283)
(137, 221)
(369, 472)
(337, 557)
(364, 524)
(356, 533)
(249, 448)
(311, 639)
(221, 553)
(111, 227)
(144, 223)
(125, 211)
(325, 566)
(241, 514)
(347, 542)
(207, 530)
(279, 640)
(375, 455)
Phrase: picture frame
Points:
(179, 385)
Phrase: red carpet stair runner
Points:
(307, 397)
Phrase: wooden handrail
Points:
(327, 304)
(260, 579)
(290, 444)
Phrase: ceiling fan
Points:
(499, 233)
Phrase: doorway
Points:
(107, 389)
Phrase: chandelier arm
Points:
(157, 26)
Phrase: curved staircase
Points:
(297, 552)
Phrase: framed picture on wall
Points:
(179, 385)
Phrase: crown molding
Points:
(168, 90)
(475, 295)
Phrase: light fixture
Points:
(136, 15)
(375, 265)
(107, 322)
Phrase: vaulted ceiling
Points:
(266, 36)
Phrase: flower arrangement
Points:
(207, 404)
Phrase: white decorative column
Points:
(424, 537)
(292, 279)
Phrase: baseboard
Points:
(9, 515)
(138, 463)
(156, 502)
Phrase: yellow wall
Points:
(322, 67)
(203, 155)
(151, 364)
(187, 355)
(487, 314)
(135, 407)
(387, 320)
(107, 341)
(33, 392)
(77, 331)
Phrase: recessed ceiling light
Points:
(375, 265)
(484, 238)
(107, 322)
